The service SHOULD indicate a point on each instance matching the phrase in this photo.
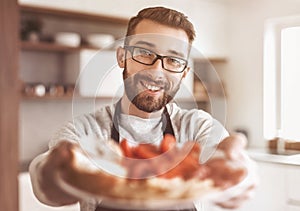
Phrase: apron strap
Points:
(115, 135)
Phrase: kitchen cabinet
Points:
(292, 208)
(44, 62)
(278, 188)
(271, 190)
(270, 194)
(209, 90)
(293, 188)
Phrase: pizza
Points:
(146, 174)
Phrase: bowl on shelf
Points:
(100, 40)
(67, 38)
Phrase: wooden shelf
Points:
(74, 15)
(47, 97)
(70, 97)
(51, 47)
(211, 59)
(64, 97)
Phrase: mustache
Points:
(156, 81)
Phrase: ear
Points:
(185, 72)
(121, 57)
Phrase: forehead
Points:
(160, 37)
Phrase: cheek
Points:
(174, 78)
(133, 67)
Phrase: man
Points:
(155, 61)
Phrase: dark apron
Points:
(166, 128)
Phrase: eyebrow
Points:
(146, 43)
(176, 53)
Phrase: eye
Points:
(144, 52)
(176, 62)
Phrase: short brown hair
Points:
(163, 16)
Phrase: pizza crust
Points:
(86, 176)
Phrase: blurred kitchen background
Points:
(245, 73)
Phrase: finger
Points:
(223, 174)
(233, 145)
(234, 202)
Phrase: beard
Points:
(140, 98)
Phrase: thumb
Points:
(233, 145)
(62, 155)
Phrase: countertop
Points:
(289, 157)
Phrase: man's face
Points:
(151, 87)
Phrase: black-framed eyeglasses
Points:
(148, 57)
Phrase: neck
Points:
(131, 109)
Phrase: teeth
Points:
(151, 87)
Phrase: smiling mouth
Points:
(151, 87)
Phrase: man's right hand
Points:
(57, 162)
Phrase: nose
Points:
(158, 64)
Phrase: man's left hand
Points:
(234, 171)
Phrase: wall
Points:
(244, 75)
(39, 119)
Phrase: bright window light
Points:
(270, 118)
(290, 83)
(282, 78)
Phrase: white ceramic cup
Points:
(100, 40)
(67, 38)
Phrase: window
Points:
(282, 78)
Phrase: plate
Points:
(104, 179)
(146, 194)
